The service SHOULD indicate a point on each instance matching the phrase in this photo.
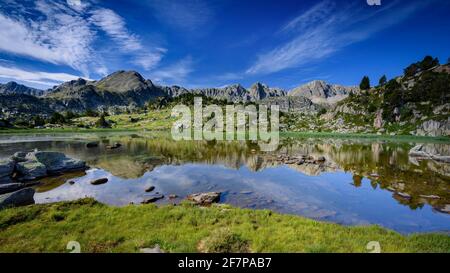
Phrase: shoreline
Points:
(287, 134)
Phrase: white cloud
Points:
(114, 26)
(60, 38)
(38, 77)
(65, 33)
(174, 73)
(77, 5)
(325, 29)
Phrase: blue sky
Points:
(212, 43)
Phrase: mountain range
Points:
(123, 90)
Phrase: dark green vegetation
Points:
(187, 228)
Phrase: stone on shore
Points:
(205, 198)
(21, 197)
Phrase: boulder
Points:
(30, 170)
(6, 169)
(18, 198)
(56, 162)
(205, 198)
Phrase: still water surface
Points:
(361, 182)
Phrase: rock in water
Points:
(99, 181)
(149, 189)
(6, 170)
(205, 198)
(152, 199)
(30, 170)
(56, 162)
(21, 197)
(92, 144)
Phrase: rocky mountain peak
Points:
(123, 81)
(322, 92)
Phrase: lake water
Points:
(361, 182)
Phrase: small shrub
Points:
(224, 241)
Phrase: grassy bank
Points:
(186, 228)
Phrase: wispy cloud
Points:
(327, 28)
(187, 15)
(65, 33)
(58, 36)
(36, 77)
(175, 73)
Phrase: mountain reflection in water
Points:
(360, 182)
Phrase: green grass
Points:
(187, 228)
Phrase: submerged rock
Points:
(205, 198)
(21, 197)
(99, 181)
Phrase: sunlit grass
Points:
(186, 228)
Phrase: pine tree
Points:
(365, 83)
(383, 80)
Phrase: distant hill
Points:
(15, 88)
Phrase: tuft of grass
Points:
(187, 228)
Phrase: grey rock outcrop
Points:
(434, 128)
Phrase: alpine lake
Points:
(349, 181)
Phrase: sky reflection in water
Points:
(252, 179)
